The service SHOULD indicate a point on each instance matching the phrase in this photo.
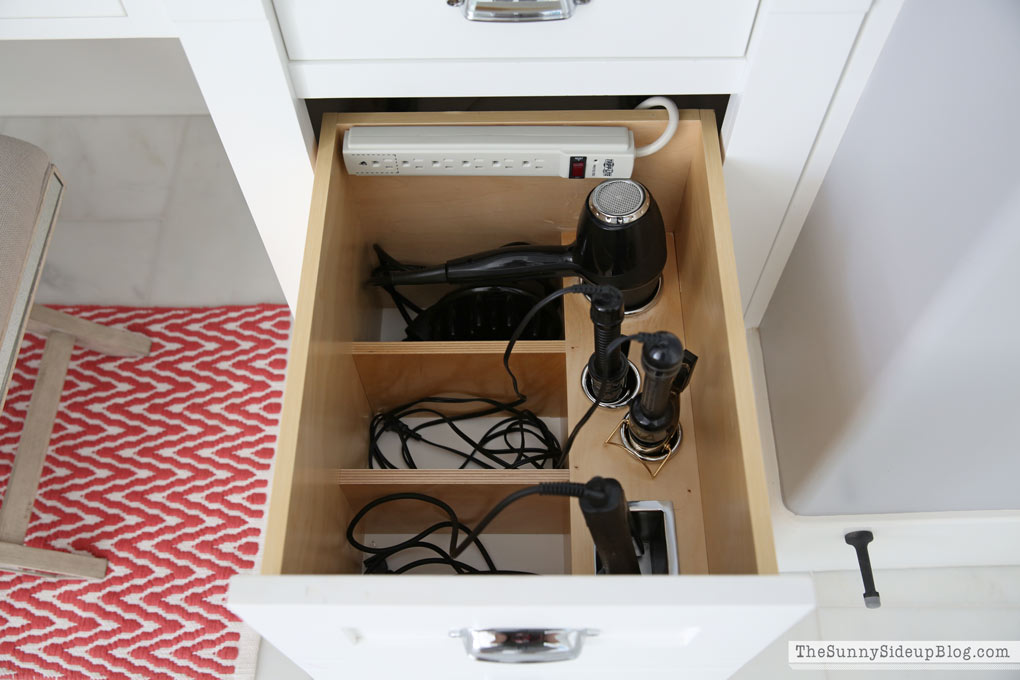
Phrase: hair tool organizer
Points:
(353, 392)
(620, 240)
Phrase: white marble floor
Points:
(152, 214)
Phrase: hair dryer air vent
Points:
(619, 201)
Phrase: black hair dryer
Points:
(621, 242)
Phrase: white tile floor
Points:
(152, 215)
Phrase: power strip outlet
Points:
(574, 152)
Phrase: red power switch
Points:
(577, 164)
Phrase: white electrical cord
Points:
(671, 126)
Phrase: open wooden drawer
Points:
(339, 374)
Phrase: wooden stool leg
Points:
(115, 341)
(39, 562)
(27, 471)
(35, 438)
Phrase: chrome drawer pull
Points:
(516, 10)
(523, 645)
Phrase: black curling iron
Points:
(607, 368)
(621, 242)
(654, 418)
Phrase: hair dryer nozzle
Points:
(410, 277)
(510, 263)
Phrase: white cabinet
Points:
(429, 29)
(794, 68)
(700, 628)
(423, 48)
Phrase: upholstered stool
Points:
(30, 195)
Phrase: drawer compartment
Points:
(339, 374)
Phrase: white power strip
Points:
(518, 150)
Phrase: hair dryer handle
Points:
(512, 263)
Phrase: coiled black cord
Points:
(377, 564)
(515, 430)
(526, 439)
(584, 289)
(574, 489)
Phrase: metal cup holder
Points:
(630, 388)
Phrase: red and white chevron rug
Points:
(162, 466)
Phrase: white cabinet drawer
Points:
(310, 602)
(655, 628)
(429, 29)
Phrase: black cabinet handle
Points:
(860, 540)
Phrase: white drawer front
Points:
(399, 626)
(429, 29)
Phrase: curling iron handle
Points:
(608, 520)
(661, 360)
(655, 414)
(607, 371)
